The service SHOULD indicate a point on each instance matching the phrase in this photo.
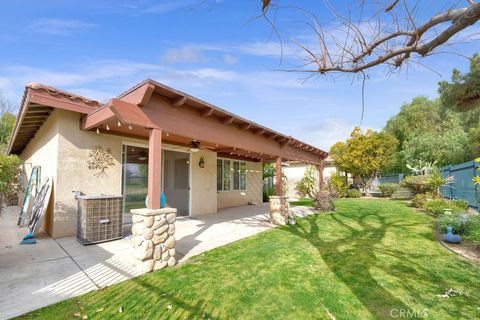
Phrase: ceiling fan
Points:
(142, 156)
(194, 146)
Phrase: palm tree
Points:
(437, 180)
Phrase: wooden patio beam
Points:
(206, 112)
(228, 120)
(179, 101)
(278, 176)
(245, 126)
(259, 132)
(154, 168)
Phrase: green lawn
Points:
(368, 258)
(303, 202)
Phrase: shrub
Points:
(9, 175)
(473, 230)
(450, 220)
(353, 193)
(420, 199)
(418, 184)
(338, 183)
(267, 192)
(438, 206)
(463, 204)
(388, 189)
(324, 201)
(306, 186)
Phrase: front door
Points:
(176, 180)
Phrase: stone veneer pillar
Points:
(153, 238)
(279, 210)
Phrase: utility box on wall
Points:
(100, 218)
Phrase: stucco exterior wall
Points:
(74, 146)
(204, 183)
(42, 151)
(295, 172)
(253, 194)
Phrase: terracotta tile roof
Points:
(54, 91)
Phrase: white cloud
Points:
(230, 59)
(187, 54)
(172, 5)
(328, 132)
(58, 26)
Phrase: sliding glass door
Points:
(135, 177)
(175, 179)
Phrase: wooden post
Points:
(320, 176)
(278, 177)
(154, 168)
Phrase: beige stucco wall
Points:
(294, 173)
(204, 183)
(74, 146)
(253, 194)
(42, 151)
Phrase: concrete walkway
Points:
(34, 276)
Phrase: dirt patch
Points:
(467, 250)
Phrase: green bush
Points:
(418, 184)
(388, 189)
(463, 204)
(9, 175)
(338, 183)
(450, 220)
(438, 206)
(473, 230)
(420, 199)
(306, 186)
(267, 192)
(353, 193)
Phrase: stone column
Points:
(153, 238)
(279, 210)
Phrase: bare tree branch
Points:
(364, 45)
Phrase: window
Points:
(231, 175)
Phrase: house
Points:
(295, 170)
(149, 139)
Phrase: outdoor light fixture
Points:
(98, 131)
(201, 163)
(119, 123)
(130, 127)
(194, 146)
(108, 128)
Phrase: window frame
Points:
(231, 175)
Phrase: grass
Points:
(363, 261)
(303, 202)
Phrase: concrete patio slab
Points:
(34, 276)
(199, 234)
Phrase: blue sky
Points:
(213, 50)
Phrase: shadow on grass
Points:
(352, 255)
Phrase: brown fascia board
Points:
(21, 114)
